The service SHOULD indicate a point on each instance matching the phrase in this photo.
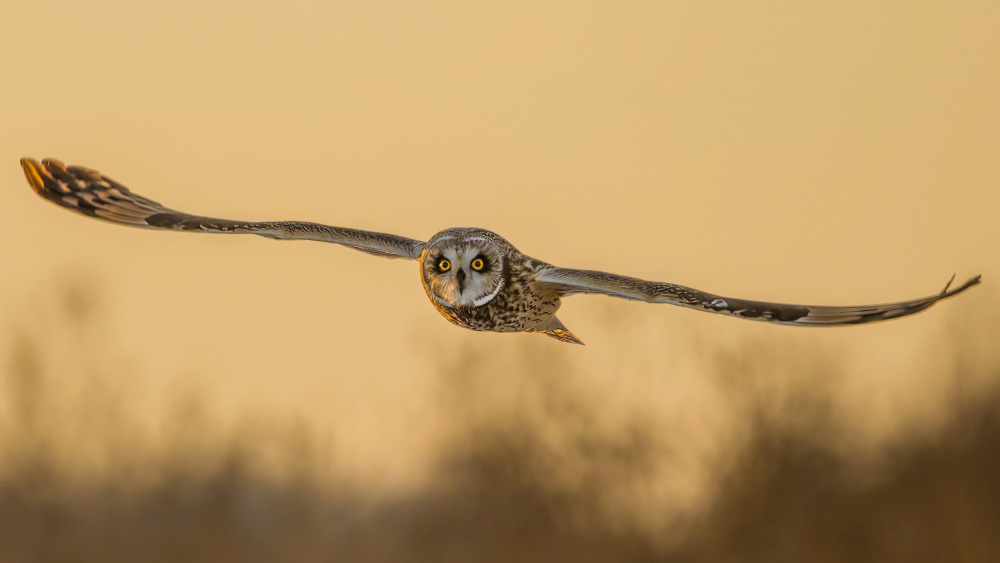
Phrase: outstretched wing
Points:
(90, 193)
(568, 282)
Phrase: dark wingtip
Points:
(974, 280)
(42, 175)
(32, 171)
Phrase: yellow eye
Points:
(477, 264)
(444, 265)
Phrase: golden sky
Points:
(841, 153)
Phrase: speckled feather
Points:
(524, 297)
(570, 282)
(522, 305)
(90, 193)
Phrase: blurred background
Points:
(177, 397)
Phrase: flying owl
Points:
(473, 277)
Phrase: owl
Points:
(473, 277)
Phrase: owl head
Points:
(464, 267)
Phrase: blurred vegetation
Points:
(541, 477)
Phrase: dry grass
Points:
(537, 480)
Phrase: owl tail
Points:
(557, 330)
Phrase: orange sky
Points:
(841, 154)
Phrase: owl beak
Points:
(460, 276)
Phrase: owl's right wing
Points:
(90, 193)
(565, 281)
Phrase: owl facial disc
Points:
(463, 268)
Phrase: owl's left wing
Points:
(90, 193)
(564, 281)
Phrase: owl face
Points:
(463, 267)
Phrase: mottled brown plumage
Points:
(521, 304)
(473, 277)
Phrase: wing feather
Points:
(88, 192)
(565, 281)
